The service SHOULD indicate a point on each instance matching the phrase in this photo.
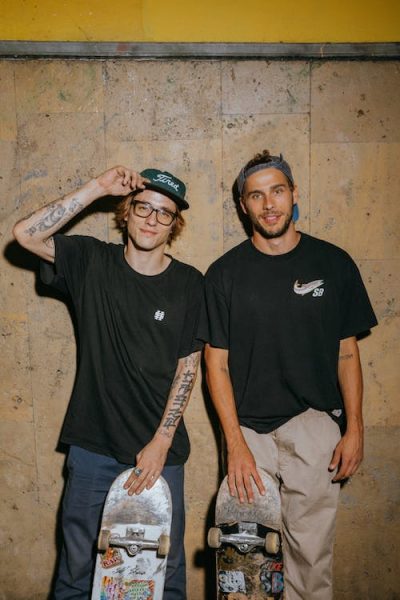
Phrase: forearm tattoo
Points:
(345, 356)
(54, 214)
(183, 384)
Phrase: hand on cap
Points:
(120, 181)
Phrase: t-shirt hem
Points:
(120, 457)
(263, 428)
(339, 420)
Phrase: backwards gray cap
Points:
(276, 162)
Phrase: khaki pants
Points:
(297, 455)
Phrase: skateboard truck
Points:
(133, 542)
(245, 540)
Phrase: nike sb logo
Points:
(307, 288)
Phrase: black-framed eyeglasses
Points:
(144, 210)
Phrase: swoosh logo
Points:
(306, 288)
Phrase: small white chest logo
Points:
(159, 315)
(306, 288)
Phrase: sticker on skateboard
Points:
(116, 589)
(133, 543)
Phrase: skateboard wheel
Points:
(103, 542)
(163, 545)
(214, 537)
(272, 542)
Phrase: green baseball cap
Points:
(168, 184)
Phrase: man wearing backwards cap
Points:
(283, 368)
(136, 310)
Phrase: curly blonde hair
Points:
(121, 211)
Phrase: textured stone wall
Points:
(61, 122)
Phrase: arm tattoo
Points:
(75, 206)
(53, 216)
(345, 356)
(183, 383)
(192, 361)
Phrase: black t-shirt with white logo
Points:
(282, 318)
(132, 329)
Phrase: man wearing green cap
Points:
(283, 368)
(136, 311)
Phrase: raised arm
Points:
(241, 463)
(349, 451)
(151, 459)
(35, 231)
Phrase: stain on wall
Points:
(62, 122)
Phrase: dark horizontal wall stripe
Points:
(27, 49)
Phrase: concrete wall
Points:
(61, 122)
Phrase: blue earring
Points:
(295, 213)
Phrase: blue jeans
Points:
(90, 476)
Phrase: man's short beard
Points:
(269, 235)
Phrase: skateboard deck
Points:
(248, 546)
(133, 543)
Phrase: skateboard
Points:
(133, 543)
(248, 546)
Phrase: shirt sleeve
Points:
(357, 313)
(191, 340)
(215, 319)
(72, 257)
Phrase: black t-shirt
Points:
(282, 318)
(132, 329)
